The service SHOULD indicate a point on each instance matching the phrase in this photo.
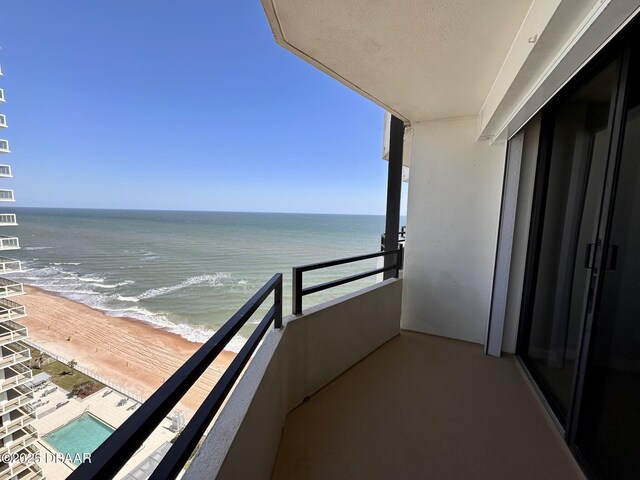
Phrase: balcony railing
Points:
(11, 470)
(28, 437)
(27, 417)
(109, 458)
(9, 265)
(6, 195)
(24, 395)
(14, 353)
(3, 121)
(5, 170)
(12, 332)
(402, 237)
(8, 220)
(34, 473)
(10, 288)
(9, 243)
(4, 146)
(11, 310)
(299, 291)
(21, 375)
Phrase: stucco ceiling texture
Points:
(424, 59)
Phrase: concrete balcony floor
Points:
(425, 407)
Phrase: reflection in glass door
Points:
(580, 322)
(609, 422)
(567, 232)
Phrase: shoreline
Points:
(133, 354)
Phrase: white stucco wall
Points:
(452, 224)
(292, 363)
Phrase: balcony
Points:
(10, 288)
(5, 170)
(34, 472)
(9, 243)
(21, 439)
(3, 121)
(14, 353)
(6, 195)
(10, 470)
(466, 415)
(8, 220)
(11, 310)
(20, 418)
(2, 99)
(16, 398)
(15, 376)
(4, 146)
(12, 332)
(9, 265)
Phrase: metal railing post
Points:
(296, 290)
(399, 260)
(277, 321)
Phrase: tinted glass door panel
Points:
(609, 421)
(569, 227)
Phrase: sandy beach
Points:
(134, 355)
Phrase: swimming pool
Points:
(82, 435)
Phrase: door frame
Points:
(618, 51)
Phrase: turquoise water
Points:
(82, 435)
(186, 271)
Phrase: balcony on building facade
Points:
(9, 243)
(8, 220)
(15, 398)
(13, 354)
(6, 195)
(9, 265)
(10, 310)
(15, 376)
(18, 418)
(3, 121)
(5, 170)
(12, 332)
(20, 469)
(10, 288)
(4, 146)
(2, 99)
(20, 440)
(34, 472)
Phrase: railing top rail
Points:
(342, 261)
(114, 452)
(298, 291)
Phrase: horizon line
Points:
(200, 211)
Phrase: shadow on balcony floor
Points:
(425, 407)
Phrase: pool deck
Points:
(104, 408)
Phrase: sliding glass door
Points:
(608, 427)
(571, 188)
(580, 322)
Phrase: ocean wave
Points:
(36, 248)
(122, 298)
(113, 285)
(211, 280)
(93, 291)
(90, 279)
(193, 333)
(62, 263)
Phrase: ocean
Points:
(187, 272)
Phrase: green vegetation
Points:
(64, 376)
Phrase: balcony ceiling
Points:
(420, 59)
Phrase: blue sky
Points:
(186, 106)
